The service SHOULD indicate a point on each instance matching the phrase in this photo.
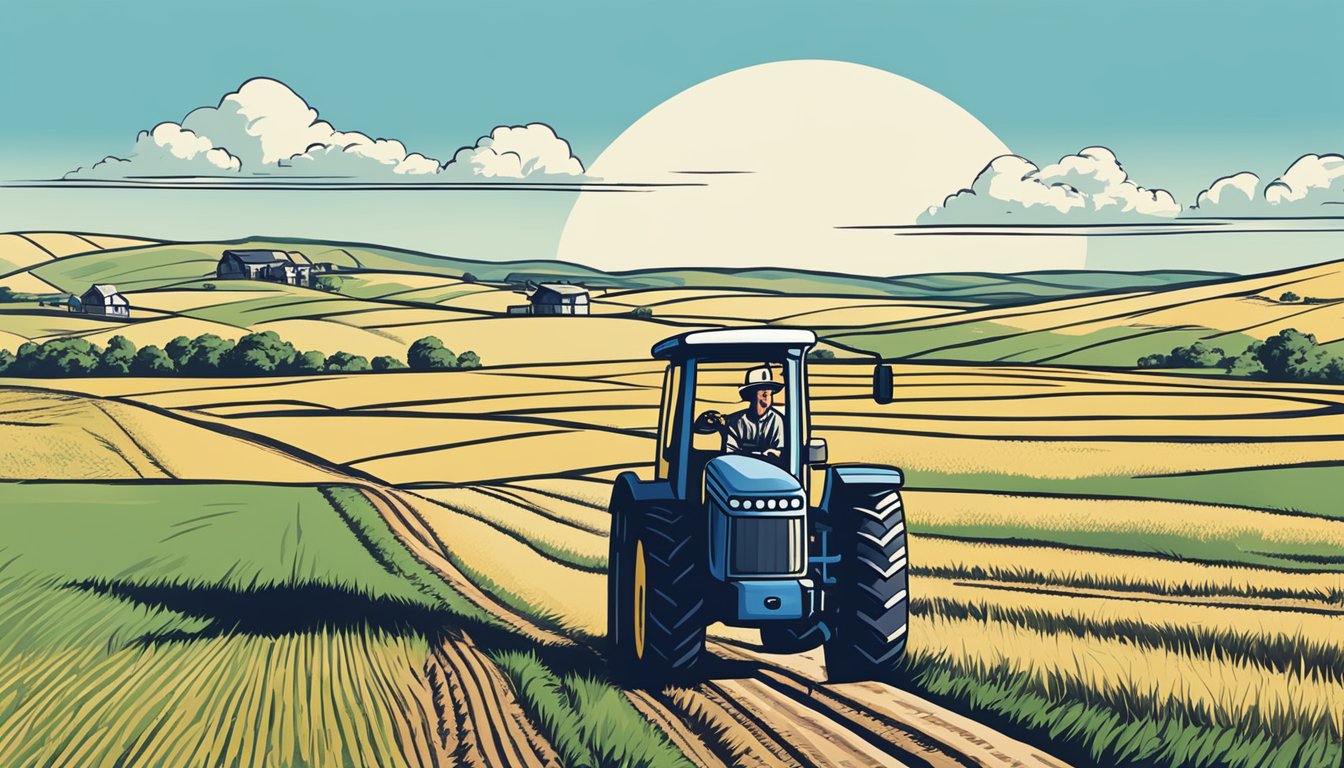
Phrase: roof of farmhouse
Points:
(260, 257)
(563, 288)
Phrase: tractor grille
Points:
(767, 546)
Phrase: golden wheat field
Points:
(1196, 602)
(1129, 567)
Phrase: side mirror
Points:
(883, 386)
(816, 451)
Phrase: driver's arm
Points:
(732, 442)
(772, 435)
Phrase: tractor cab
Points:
(705, 394)
(724, 530)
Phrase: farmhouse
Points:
(553, 299)
(101, 299)
(273, 266)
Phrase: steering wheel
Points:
(708, 423)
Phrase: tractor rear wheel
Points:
(656, 612)
(871, 608)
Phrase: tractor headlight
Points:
(771, 503)
(760, 503)
(735, 503)
(797, 502)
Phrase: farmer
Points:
(757, 429)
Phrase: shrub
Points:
(429, 354)
(256, 354)
(310, 362)
(118, 358)
(263, 352)
(8, 296)
(387, 363)
(152, 361)
(1289, 297)
(209, 354)
(467, 277)
(641, 313)
(345, 362)
(179, 349)
(72, 357)
(329, 283)
(1197, 355)
(1289, 355)
(1295, 356)
(209, 286)
(1247, 363)
(821, 354)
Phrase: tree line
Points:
(1288, 356)
(256, 354)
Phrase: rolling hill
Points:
(1116, 329)
(388, 298)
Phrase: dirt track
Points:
(754, 710)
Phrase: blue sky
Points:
(1184, 91)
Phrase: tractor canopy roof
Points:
(735, 344)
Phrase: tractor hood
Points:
(739, 475)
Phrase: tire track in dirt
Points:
(488, 725)
(813, 736)
(411, 529)
(927, 733)
(771, 716)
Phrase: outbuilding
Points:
(273, 266)
(557, 299)
(102, 299)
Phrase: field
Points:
(1108, 567)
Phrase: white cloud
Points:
(169, 149)
(264, 129)
(1311, 181)
(1230, 195)
(1089, 187)
(517, 152)
(1312, 185)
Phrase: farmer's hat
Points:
(758, 378)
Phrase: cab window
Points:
(720, 388)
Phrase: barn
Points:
(272, 266)
(554, 299)
(103, 299)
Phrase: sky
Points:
(1182, 91)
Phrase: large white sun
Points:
(780, 161)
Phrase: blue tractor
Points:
(725, 532)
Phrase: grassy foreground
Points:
(222, 624)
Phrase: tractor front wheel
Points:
(871, 611)
(656, 614)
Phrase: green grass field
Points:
(180, 625)
(222, 624)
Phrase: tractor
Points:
(726, 531)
